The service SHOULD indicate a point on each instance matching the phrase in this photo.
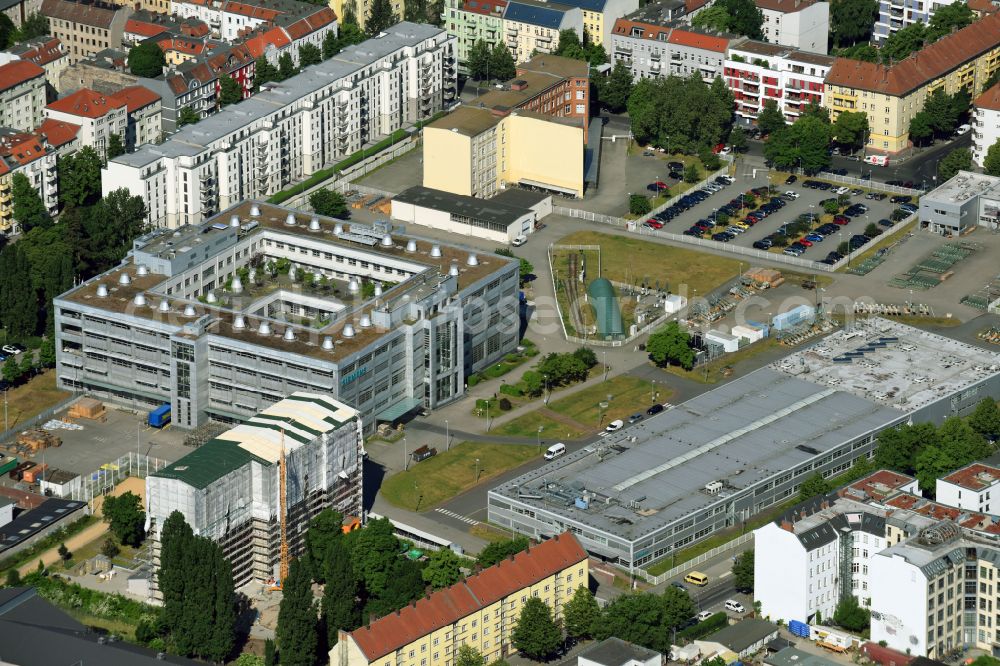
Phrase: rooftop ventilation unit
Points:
(124, 280)
(239, 322)
(327, 343)
(436, 251)
(387, 241)
(142, 270)
(314, 224)
(255, 211)
(378, 289)
(164, 306)
(189, 310)
(237, 285)
(473, 260)
(210, 297)
(102, 291)
(338, 228)
(290, 220)
(353, 286)
(411, 245)
(454, 269)
(348, 331)
(140, 299)
(264, 328)
(289, 335)
(366, 321)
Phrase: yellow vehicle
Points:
(696, 578)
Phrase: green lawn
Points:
(628, 395)
(716, 368)
(528, 424)
(449, 473)
(32, 397)
(630, 260)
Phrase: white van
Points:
(555, 451)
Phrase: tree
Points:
(13, 575)
(18, 311)
(985, 418)
(380, 17)
(405, 584)
(680, 115)
(26, 367)
(247, 659)
(126, 516)
(677, 607)
(851, 21)
(479, 60)
(638, 617)
(671, 345)
(64, 553)
(613, 92)
(230, 90)
(864, 52)
(297, 637)
(535, 633)
(569, 45)
(596, 55)
(109, 548)
(770, 119)
(324, 529)
(813, 486)
(47, 353)
(264, 72)
(330, 203)
(309, 54)
(341, 609)
(851, 128)
(957, 160)
(638, 204)
(942, 112)
(443, 569)
(286, 66)
(187, 116)
(35, 25)
(738, 139)
(921, 127)
(29, 211)
(898, 447)
(991, 163)
(581, 613)
(691, 173)
(415, 11)
(331, 47)
(80, 177)
(7, 31)
(743, 571)
(903, 42)
(146, 60)
(715, 17)
(744, 18)
(850, 615)
(805, 143)
(949, 18)
(116, 146)
(469, 656)
(11, 370)
(502, 65)
(497, 551)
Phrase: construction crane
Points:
(283, 517)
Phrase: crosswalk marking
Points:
(457, 516)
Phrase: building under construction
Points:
(233, 489)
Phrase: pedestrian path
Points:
(457, 516)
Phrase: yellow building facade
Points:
(480, 611)
(478, 152)
(891, 95)
(361, 8)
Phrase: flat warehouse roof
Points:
(740, 434)
(487, 210)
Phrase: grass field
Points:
(628, 395)
(34, 396)
(447, 474)
(528, 424)
(716, 368)
(670, 266)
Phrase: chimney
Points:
(786, 525)
(824, 505)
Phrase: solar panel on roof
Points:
(358, 238)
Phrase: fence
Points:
(37, 419)
(866, 184)
(102, 480)
(888, 233)
(691, 564)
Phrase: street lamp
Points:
(487, 414)
(603, 406)
(605, 365)
(546, 399)
(477, 470)
(447, 436)
(405, 458)
(652, 392)
(538, 437)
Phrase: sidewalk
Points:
(468, 542)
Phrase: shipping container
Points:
(160, 416)
(7, 463)
(885, 656)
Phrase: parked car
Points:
(519, 241)
(909, 207)
(657, 186)
(900, 198)
(655, 409)
(791, 179)
(675, 166)
(617, 424)
(815, 237)
(962, 129)
(842, 190)
(653, 224)
(735, 606)
(635, 418)
(886, 223)
(763, 244)
(704, 615)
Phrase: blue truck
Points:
(160, 416)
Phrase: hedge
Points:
(50, 541)
(710, 625)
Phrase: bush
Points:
(481, 404)
(638, 204)
(505, 405)
(831, 207)
(710, 625)
(472, 380)
(511, 389)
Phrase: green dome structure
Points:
(607, 312)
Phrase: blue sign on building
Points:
(347, 379)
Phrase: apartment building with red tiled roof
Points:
(653, 49)
(479, 611)
(892, 94)
(46, 52)
(22, 94)
(133, 113)
(86, 27)
(30, 155)
(63, 137)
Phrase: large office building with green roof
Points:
(228, 489)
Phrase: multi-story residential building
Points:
(85, 27)
(46, 52)
(28, 154)
(599, 17)
(480, 611)
(819, 552)
(193, 319)
(758, 71)
(531, 26)
(143, 25)
(228, 488)
(18, 10)
(206, 11)
(133, 113)
(894, 15)
(546, 84)
(62, 137)
(292, 25)
(478, 151)
(296, 127)
(800, 24)
(22, 95)
(890, 95)
(471, 21)
(672, 48)
(975, 487)
(362, 8)
(985, 123)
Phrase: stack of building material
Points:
(31, 442)
(88, 408)
(764, 278)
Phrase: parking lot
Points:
(807, 202)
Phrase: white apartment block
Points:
(801, 24)
(208, 12)
(667, 49)
(285, 134)
(985, 123)
(531, 27)
(894, 15)
(820, 552)
(758, 71)
(975, 487)
(98, 115)
(22, 95)
(30, 155)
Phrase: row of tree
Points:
(490, 64)
(681, 115)
(34, 25)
